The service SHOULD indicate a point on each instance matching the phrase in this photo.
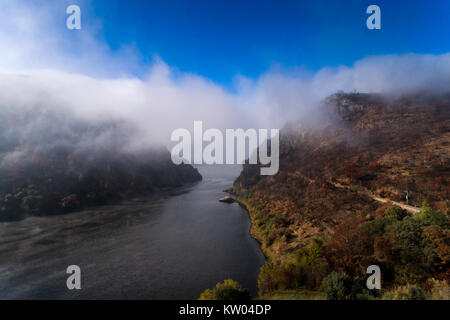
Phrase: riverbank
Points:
(255, 231)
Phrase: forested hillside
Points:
(329, 208)
(53, 162)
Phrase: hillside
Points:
(338, 177)
(53, 162)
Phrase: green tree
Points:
(395, 212)
(409, 241)
(430, 217)
(228, 290)
(311, 265)
(269, 278)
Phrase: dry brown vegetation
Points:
(369, 145)
(385, 147)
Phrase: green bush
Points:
(228, 290)
(337, 286)
(24, 201)
(415, 293)
(395, 212)
(378, 227)
(411, 273)
(359, 291)
(429, 217)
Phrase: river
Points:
(172, 245)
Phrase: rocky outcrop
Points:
(349, 107)
(227, 199)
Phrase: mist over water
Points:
(172, 245)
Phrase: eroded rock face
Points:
(349, 107)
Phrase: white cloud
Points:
(36, 69)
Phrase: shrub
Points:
(415, 293)
(439, 289)
(407, 292)
(207, 295)
(395, 212)
(411, 273)
(23, 202)
(359, 290)
(228, 290)
(311, 266)
(336, 286)
(378, 227)
(429, 217)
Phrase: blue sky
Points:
(220, 39)
(254, 64)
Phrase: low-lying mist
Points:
(45, 101)
(50, 80)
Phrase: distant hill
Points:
(53, 162)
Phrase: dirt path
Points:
(413, 210)
(406, 207)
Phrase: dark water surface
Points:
(170, 246)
